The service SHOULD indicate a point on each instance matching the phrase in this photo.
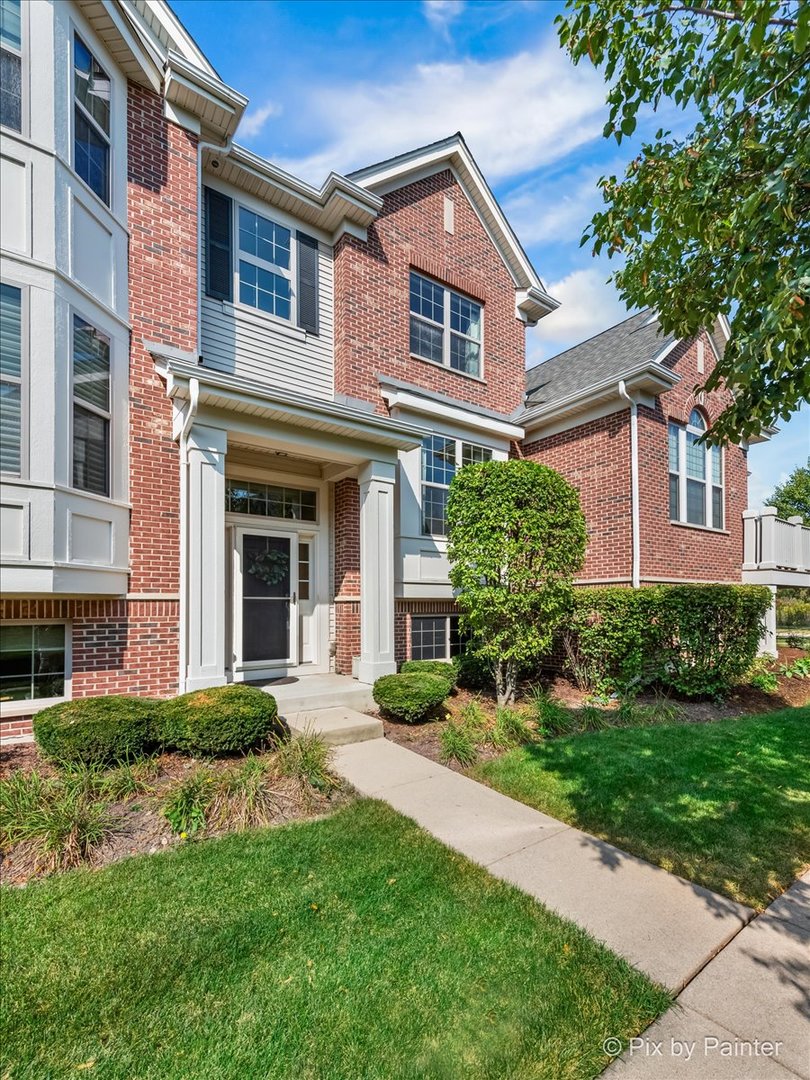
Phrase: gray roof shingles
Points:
(614, 352)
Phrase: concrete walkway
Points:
(667, 927)
(746, 1015)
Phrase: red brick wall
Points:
(403, 615)
(680, 551)
(347, 574)
(372, 298)
(117, 646)
(595, 458)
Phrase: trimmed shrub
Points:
(218, 720)
(432, 667)
(473, 671)
(411, 696)
(695, 639)
(97, 730)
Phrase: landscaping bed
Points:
(355, 945)
(137, 818)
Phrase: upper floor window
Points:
(441, 458)
(695, 475)
(91, 408)
(91, 120)
(11, 64)
(264, 264)
(10, 379)
(445, 326)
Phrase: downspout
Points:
(188, 420)
(634, 506)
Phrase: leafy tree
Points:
(517, 538)
(717, 221)
(793, 497)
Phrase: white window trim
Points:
(11, 709)
(708, 483)
(23, 55)
(89, 407)
(24, 378)
(291, 274)
(447, 658)
(459, 445)
(74, 102)
(300, 523)
(447, 332)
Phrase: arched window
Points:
(695, 475)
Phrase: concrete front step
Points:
(337, 727)
(314, 693)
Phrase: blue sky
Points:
(337, 85)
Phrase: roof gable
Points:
(533, 302)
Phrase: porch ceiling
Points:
(354, 431)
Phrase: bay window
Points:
(91, 408)
(445, 326)
(695, 475)
(441, 458)
(11, 64)
(10, 379)
(91, 120)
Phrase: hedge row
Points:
(694, 639)
(792, 613)
(104, 730)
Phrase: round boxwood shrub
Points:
(410, 696)
(218, 720)
(97, 730)
(431, 667)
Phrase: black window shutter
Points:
(307, 283)
(218, 262)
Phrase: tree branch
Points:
(727, 15)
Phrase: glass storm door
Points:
(268, 601)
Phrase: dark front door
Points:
(267, 597)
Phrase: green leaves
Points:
(517, 538)
(719, 221)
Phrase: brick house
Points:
(233, 402)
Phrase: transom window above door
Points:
(270, 500)
(445, 326)
(696, 488)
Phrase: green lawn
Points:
(355, 946)
(725, 804)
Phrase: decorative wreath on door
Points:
(270, 566)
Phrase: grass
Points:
(725, 804)
(355, 945)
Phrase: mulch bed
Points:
(743, 701)
(141, 828)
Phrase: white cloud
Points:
(588, 305)
(553, 208)
(518, 113)
(441, 13)
(255, 119)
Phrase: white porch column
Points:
(377, 490)
(767, 646)
(204, 546)
(797, 521)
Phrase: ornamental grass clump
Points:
(457, 743)
(411, 696)
(306, 758)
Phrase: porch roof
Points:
(247, 397)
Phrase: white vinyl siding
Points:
(245, 342)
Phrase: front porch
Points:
(279, 574)
(776, 552)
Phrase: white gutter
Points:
(188, 420)
(634, 507)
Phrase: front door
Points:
(267, 605)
